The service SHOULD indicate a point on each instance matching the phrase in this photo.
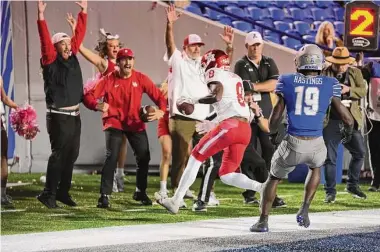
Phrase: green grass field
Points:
(31, 216)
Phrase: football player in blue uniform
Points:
(306, 95)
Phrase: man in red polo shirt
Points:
(122, 92)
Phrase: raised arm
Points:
(48, 51)
(94, 58)
(172, 16)
(228, 38)
(80, 29)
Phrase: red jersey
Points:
(124, 98)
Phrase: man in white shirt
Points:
(185, 80)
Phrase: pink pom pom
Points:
(91, 83)
(24, 122)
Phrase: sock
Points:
(188, 178)
(241, 181)
(119, 172)
(138, 190)
(3, 191)
(163, 186)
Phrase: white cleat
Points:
(160, 195)
(169, 204)
(213, 201)
(189, 195)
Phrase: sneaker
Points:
(212, 201)
(259, 227)
(373, 189)
(114, 186)
(330, 198)
(199, 206)
(143, 198)
(356, 192)
(169, 204)
(249, 198)
(6, 200)
(189, 195)
(278, 203)
(47, 199)
(103, 201)
(119, 183)
(161, 195)
(67, 200)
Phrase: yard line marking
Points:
(12, 210)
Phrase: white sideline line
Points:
(94, 237)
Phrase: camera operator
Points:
(353, 89)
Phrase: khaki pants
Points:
(182, 130)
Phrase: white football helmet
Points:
(309, 57)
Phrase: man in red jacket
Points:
(121, 93)
(63, 85)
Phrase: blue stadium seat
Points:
(324, 3)
(263, 4)
(304, 4)
(225, 21)
(277, 14)
(223, 4)
(243, 4)
(194, 9)
(303, 28)
(284, 3)
(316, 25)
(255, 13)
(282, 26)
(297, 14)
(211, 14)
(275, 39)
(339, 13)
(235, 10)
(293, 32)
(309, 37)
(339, 27)
(291, 42)
(321, 14)
(242, 26)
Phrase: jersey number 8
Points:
(307, 100)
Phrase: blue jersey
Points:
(307, 99)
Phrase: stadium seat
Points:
(291, 42)
(273, 39)
(309, 37)
(277, 14)
(225, 21)
(255, 13)
(303, 28)
(283, 3)
(339, 13)
(211, 14)
(297, 14)
(263, 4)
(304, 4)
(324, 3)
(242, 26)
(321, 15)
(316, 25)
(194, 9)
(282, 26)
(235, 10)
(293, 32)
(339, 27)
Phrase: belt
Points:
(62, 111)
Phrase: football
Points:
(145, 111)
(185, 108)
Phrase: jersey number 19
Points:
(307, 100)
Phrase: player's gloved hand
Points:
(346, 132)
(204, 126)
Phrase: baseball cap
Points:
(253, 37)
(125, 52)
(192, 39)
(58, 37)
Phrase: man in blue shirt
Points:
(306, 96)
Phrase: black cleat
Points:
(143, 198)
(67, 200)
(278, 203)
(47, 200)
(199, 206)
(103, 201)
(357, 192)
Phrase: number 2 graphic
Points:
(308, 102)
(361, 28)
